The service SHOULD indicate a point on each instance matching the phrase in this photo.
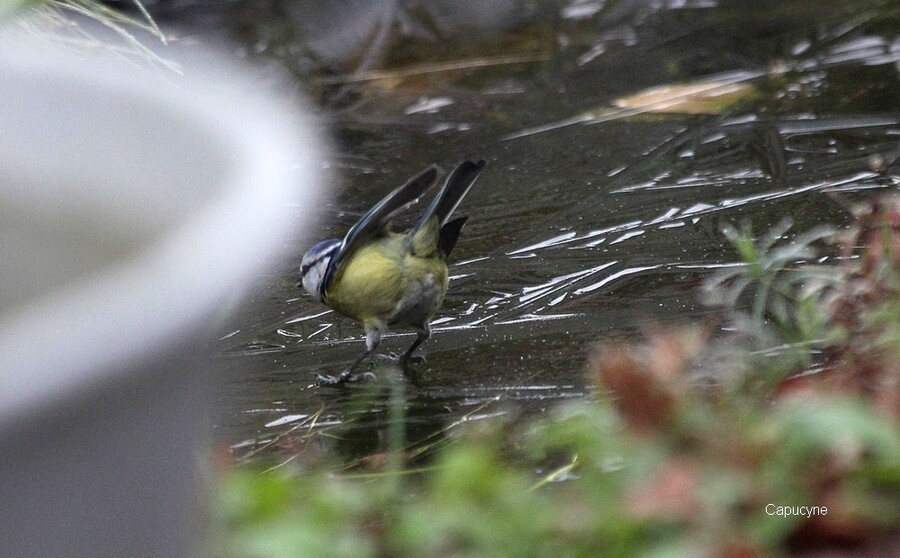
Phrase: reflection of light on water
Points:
(471, 261)
(698, 208)
(308, 317)
(428, 105)
(669, 213)
(488, 394)
(709, 266)
(229, 335)
(286, 333)
(573, 236)
(557, 300)
(628, 235)
(285, 420)
(556, 240)
(532, 293)
(482, 416)
(613, 277)
(320, 330)
(537, 318)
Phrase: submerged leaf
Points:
(709, 97)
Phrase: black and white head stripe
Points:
(314, 265)
(317, 253)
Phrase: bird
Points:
(383, 278)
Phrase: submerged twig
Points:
(458, 65)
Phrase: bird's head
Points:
(314, 264)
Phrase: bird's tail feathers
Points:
(450, 234)
(454, 190)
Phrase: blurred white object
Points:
(131, 206)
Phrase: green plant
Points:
(787, 321)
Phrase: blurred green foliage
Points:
(626, 497)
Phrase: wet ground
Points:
(594, 219)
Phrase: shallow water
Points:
(589, 223)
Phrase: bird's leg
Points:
(373, 339)
(421, 337)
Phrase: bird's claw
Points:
(328, 380)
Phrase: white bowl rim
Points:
(274, 161)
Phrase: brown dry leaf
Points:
(801, 385)
(671, 352)
(641, 399)
(671, 493)
(647, 381)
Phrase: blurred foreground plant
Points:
(841, 321)
(658, 465)
(63, 22)
(777, 279)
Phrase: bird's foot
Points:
(343, 378)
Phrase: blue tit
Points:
(383, 278)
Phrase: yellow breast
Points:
(376, 279)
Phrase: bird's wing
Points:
(372, 223)
(424, 236)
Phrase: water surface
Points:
(590, 222)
